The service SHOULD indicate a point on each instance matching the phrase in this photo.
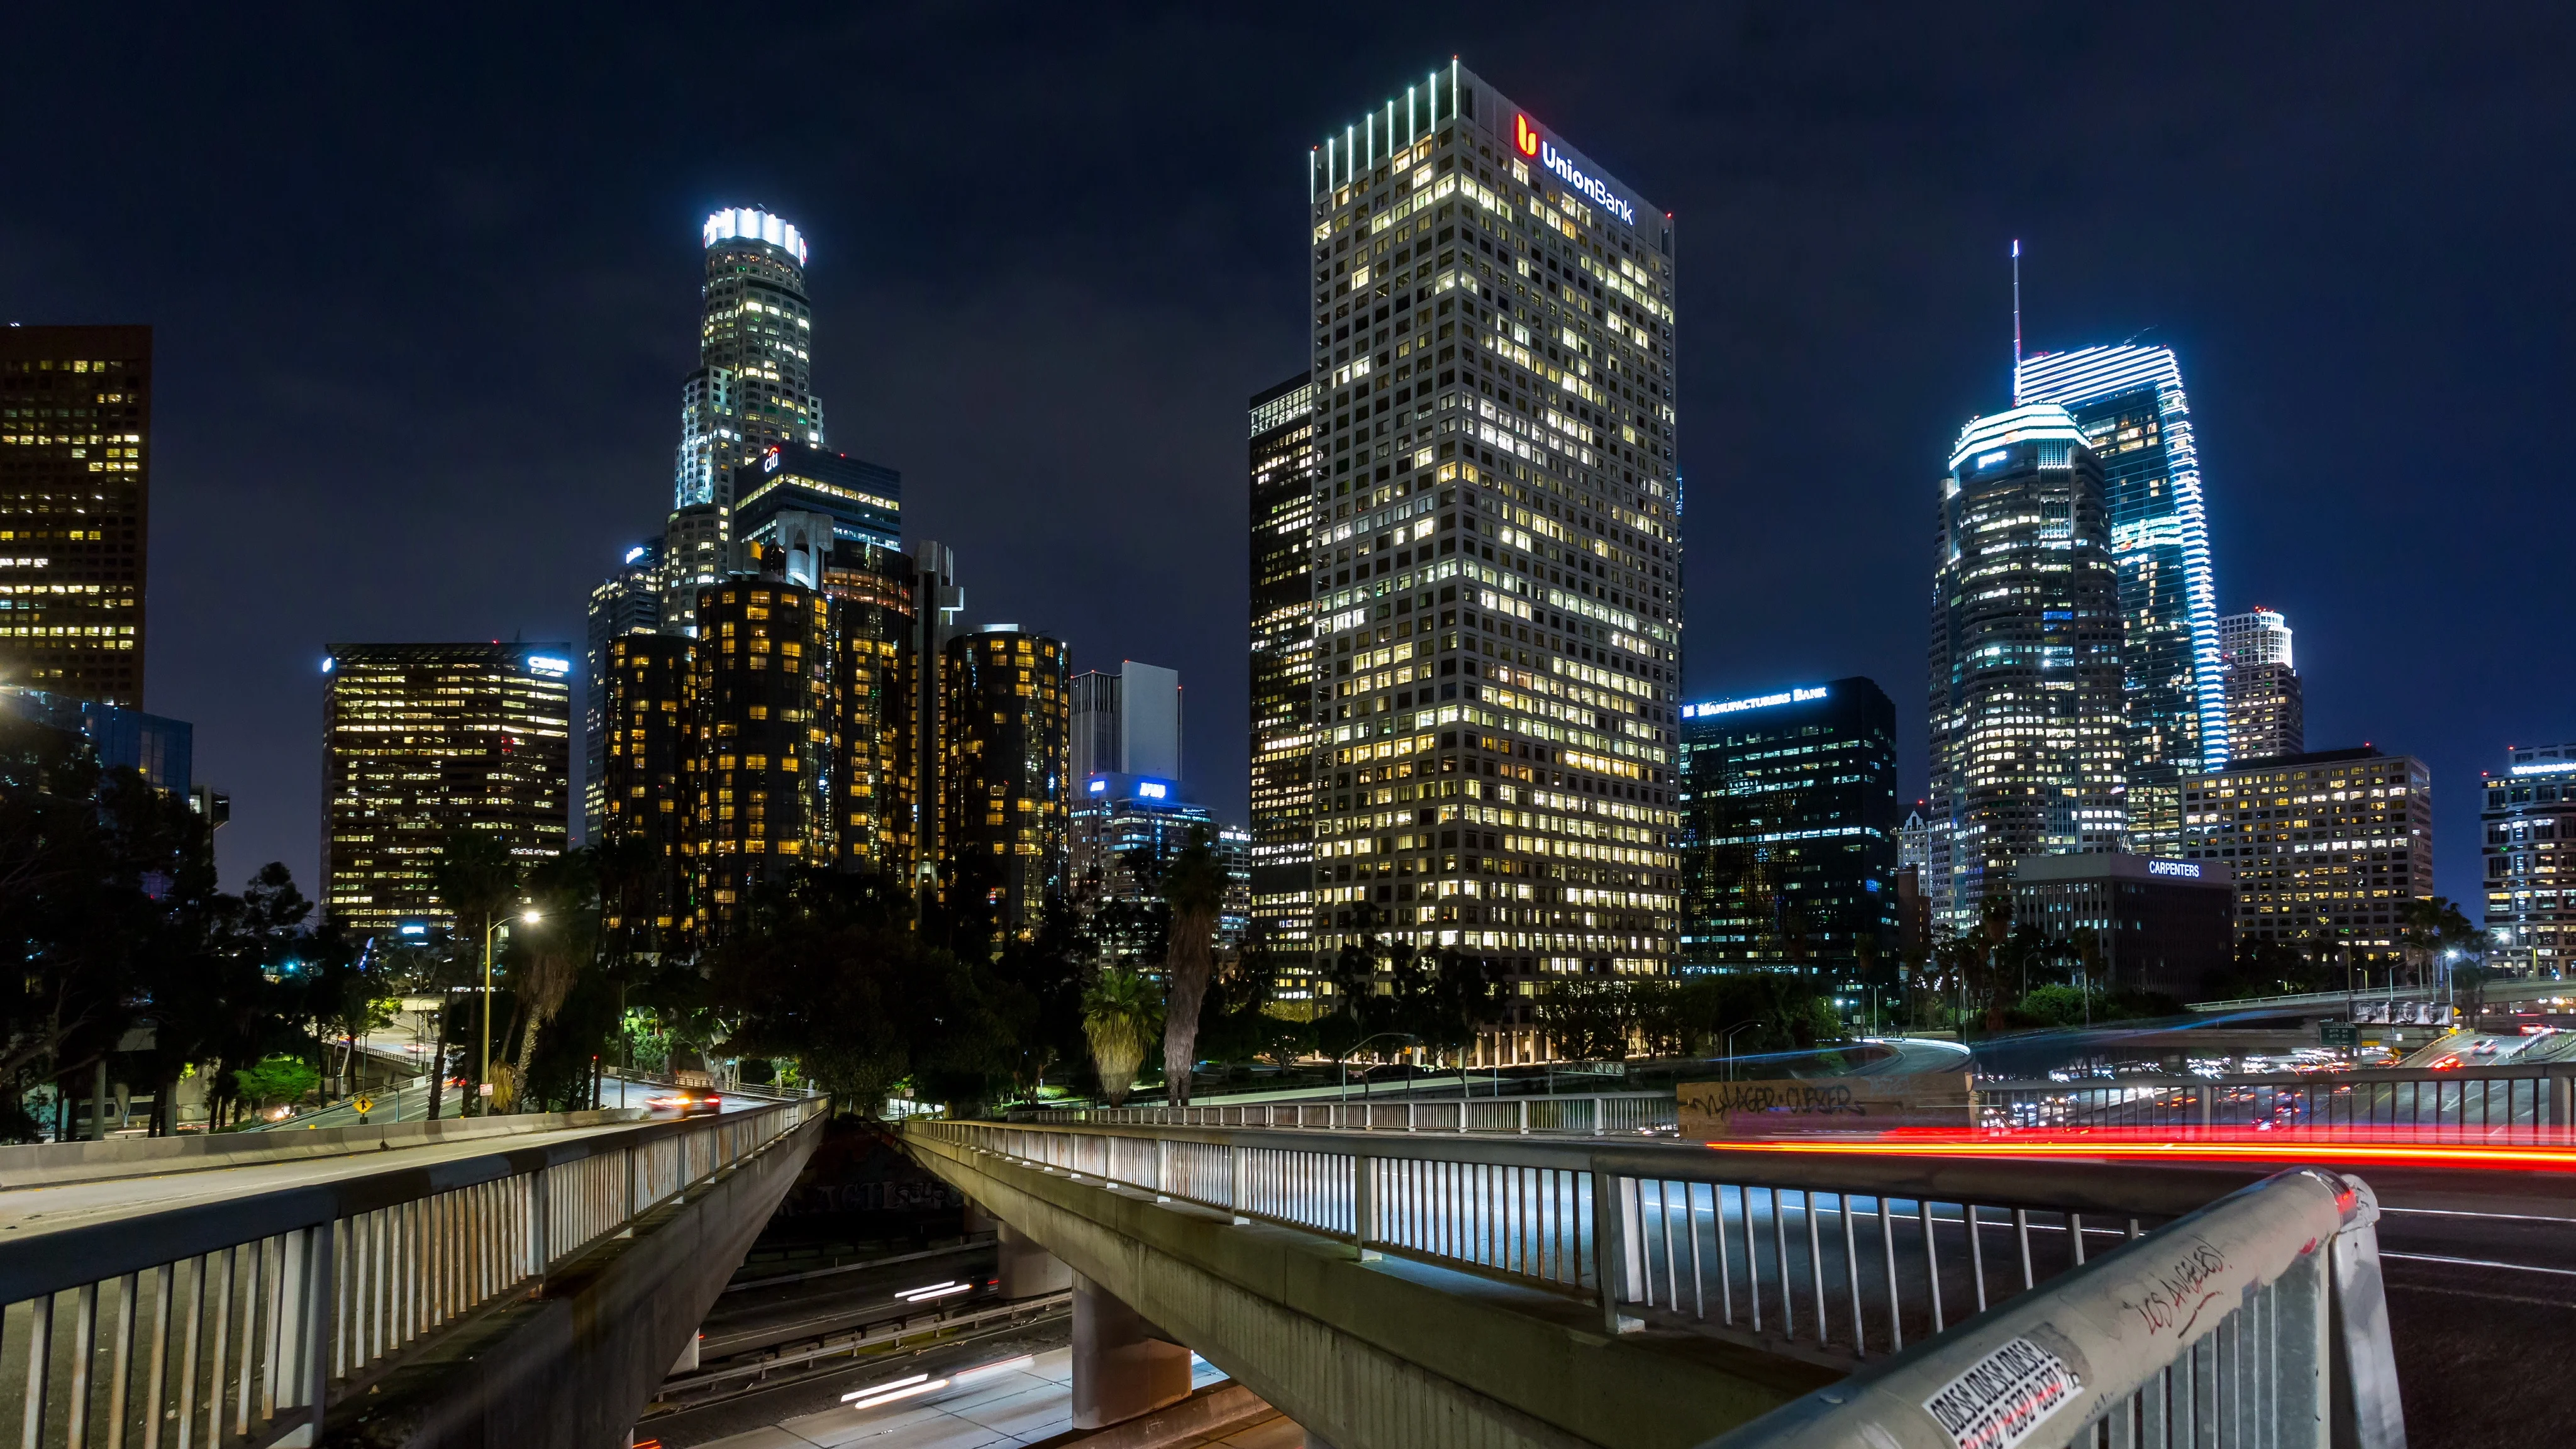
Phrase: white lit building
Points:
(754, 383)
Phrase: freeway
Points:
(411, 1104)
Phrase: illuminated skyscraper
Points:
(1283, 667)
(754, 384)
(1492, 548)
(2129, 403)
(651, 714)
(75, 494)
(2026, 718)
(2266, 705)
(422, 740)
(628, 601)
(1005, 796)
(2530, 818)
(761, 765)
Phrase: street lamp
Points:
(483, 1083)
(1354, 1051)
(1731, 1033)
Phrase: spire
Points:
(2016, 270)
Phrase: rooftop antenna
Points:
(2016, 265)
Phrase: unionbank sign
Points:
(1526, 136)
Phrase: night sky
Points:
(424, 298)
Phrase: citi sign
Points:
(1525, 136)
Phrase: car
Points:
(686, 1099)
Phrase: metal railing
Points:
(1605, 1114)
(238, 1319)
(1829, 1257)
(2531, 1103)
(2259, 1320)
(1834, 1259)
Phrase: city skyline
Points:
(372, 515)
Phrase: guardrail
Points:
(2487, 1104)
(239, 1319)
(1740, 1243)
(1602, 1114)
(2257, 1320)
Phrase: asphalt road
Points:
(808, 1306)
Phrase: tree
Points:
(477, 880)
(277, 1079)
(547, 956)
(1193, 885)
(2433, 926)
(1119, 1016)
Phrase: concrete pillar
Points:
(1122, 1365)
(1027, 1270)
(98, 1101)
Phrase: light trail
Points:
(2105, 1147)
(2479, 1263)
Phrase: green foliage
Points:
(1122, 1012)
(277, 1079)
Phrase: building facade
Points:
(2130, 405)
(628, 601)
(754, 385)
(2027, 724)
(2529, 819)
(162, 751)
(1497, 617)
(2328, 848)
(1282, 468)
(1006, 792)
(1789, 840)
(761, 770)
(2266, 714)
(420, 741)
(647, 754)
(2156, 924)
(1127, 723)
(75, 509)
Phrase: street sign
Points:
(2339, 1033)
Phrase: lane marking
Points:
(2480, 1263)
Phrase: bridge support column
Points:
(1025, 1269)
(1122, 1365)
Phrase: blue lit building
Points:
(2129, 404)
(1789, 830)
(162, 749)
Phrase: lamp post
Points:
(1730, 1045)
(483, 1083)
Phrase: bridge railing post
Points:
(1611, 1236)
(1237, 1198)
(1363, 1201)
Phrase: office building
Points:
(1127, 723)
(1234, 913)
(162, 750)
(2026, 717)
(2156, 923)
(2529, 818)
(2328, 847)
(1005, 791)
(754, 385)
(761, 767)
(697, 552)
(1282, 470)
(2266, 714)
(628, 601)
(1123, 832)
(877, 791)
(421, 741)
(75, 496)
(1495, 517)
(804, 500)
(650, 709)
(1915, 840)
(2130, 405)
(1789, 832)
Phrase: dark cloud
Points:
(424, 297)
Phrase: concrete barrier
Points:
(51, 1164)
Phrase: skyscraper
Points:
(2530, 819)
(1005, 796)
(2329, 848)
(1127, 723)
(2026, 709)
(628, 601)
(423, 740)
(1494, 520)
(75, 495)
(761, 767)
(1789, 831)
(2128, 402)
(651, 714)
(1283, 665)
(2266, 710)
(754, 385)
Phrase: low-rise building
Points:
(2328, 848)
(2157, 923)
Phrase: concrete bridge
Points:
(1406, 1288)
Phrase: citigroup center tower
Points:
(1496, 549)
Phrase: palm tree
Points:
(1194, 887)
(1119, 1016)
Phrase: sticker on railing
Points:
(2003, 1396)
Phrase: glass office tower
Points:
(1497, 614)
(2130, 405)
(75, 506)
(1283, 670)
(2026, 720)
(754, 385)
(1790, 831)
